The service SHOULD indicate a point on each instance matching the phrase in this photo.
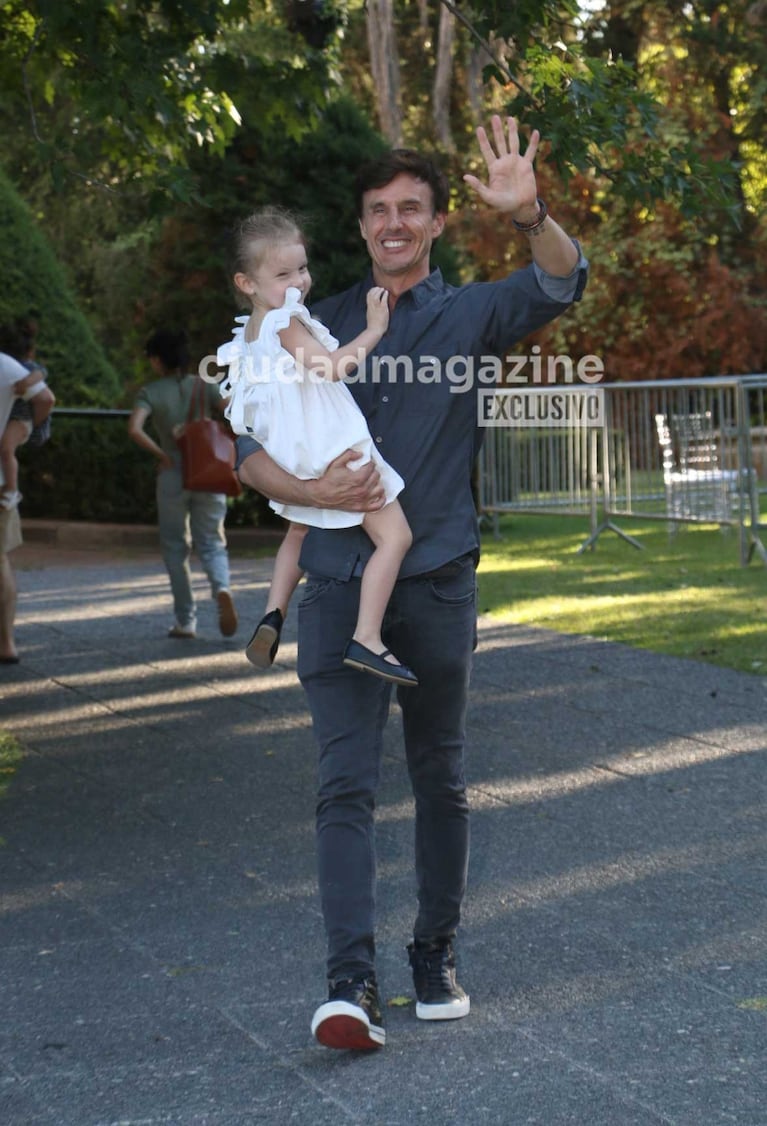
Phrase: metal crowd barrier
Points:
(679, 451)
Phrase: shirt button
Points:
(379, 439)
(384, 398)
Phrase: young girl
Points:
(284, 390)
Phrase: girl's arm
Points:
(310, 354)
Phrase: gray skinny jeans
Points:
(431, 626)
(190, 518)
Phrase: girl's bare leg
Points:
(263, 645)
(391, 535)
(286, 574)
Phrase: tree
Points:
(146, 83)
(35, 284)
(121, 93)
(384, 65)
(124, 92)
(443, 79)
(678, 260)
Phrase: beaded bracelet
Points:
(531, 228)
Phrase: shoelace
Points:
(346, 989)
(439, 966)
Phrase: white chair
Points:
(697, 486)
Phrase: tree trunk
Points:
(443, 79)
(475, 88)
(384, 67)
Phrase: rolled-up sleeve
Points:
(245, 447)
(566, 289)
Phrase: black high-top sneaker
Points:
(439, 996)
(351, 1016)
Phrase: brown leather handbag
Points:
(207, 450)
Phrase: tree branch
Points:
(28, 88)
(491, 54)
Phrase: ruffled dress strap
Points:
(231, 355)
(278, 319)
(234, 386)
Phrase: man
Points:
(429, 434)
(11, 373)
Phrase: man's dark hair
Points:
(380, 171)
(170, 348)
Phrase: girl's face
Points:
(281, 266)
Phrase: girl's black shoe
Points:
(360, 657)
(263, 645)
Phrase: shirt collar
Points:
(421, 293)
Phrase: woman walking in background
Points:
(186, 518)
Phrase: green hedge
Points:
(35, 284)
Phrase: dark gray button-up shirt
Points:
(419, 391)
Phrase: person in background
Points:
(186, 519)
(11, 373)
(29, 419)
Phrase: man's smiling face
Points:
(399, 226)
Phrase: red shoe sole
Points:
(343, 1031)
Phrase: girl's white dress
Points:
(302, 420)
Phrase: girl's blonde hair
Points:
(263, 229)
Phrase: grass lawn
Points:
(686, 595)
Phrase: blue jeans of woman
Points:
(188, 519)
(431, 626)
